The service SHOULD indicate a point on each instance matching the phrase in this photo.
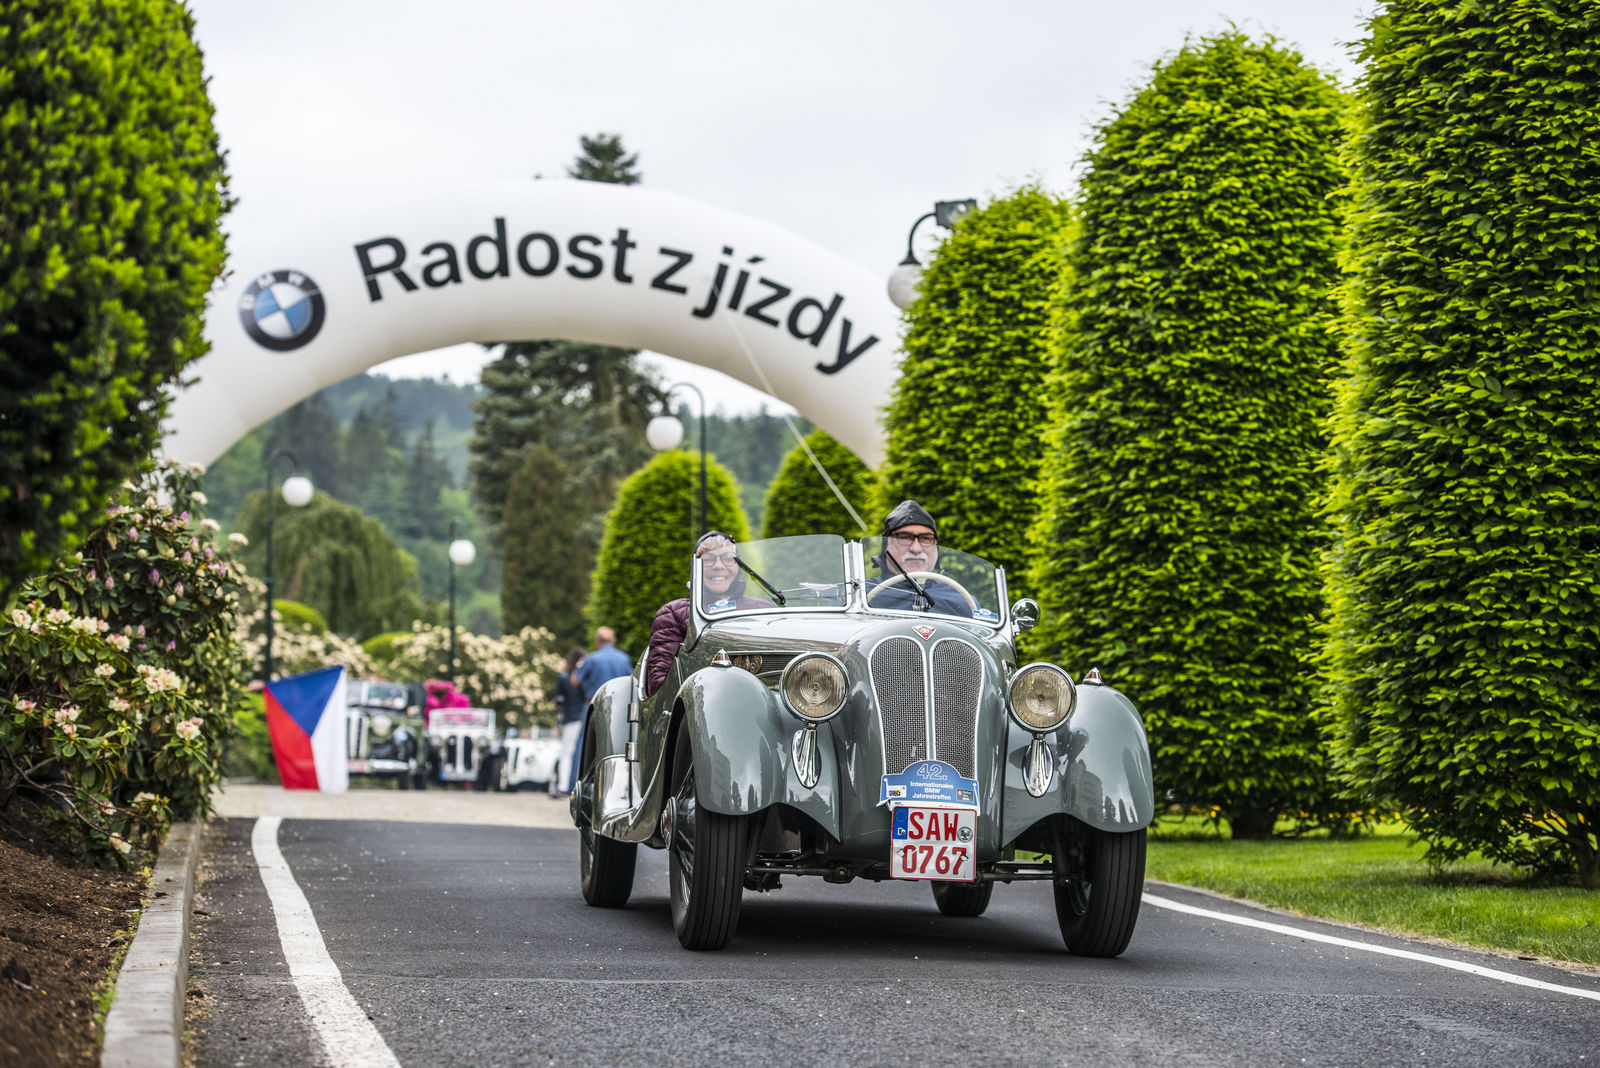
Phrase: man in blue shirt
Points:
(607, 662)
(911, 545)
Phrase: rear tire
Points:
(962, 899)
(605, 865)
(1098, 910)
(708, 853)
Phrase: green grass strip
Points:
(1382, 881)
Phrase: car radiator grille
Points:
(899, 681)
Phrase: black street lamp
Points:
(665, 432)
(903, 281)
(297, 492)
(461, 552)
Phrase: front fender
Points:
(1102, 768)
(607, 719)
(743, 746)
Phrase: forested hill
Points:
(397, 450)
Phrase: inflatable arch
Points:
(361, 283)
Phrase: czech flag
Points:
(306, 719)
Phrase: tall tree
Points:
(314, 435)
(545, 581)
(1465, 610)
(971, 385)
(113, 186)
(603, 159)
(586, 404)
(1177, 544)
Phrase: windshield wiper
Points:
(776, 596)
(920, 601)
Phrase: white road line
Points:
(1367, 947)
(347, 1035)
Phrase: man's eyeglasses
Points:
(724, 559)
(911, 539)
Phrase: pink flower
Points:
(155, 577)
(111, 583)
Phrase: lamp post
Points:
(903, 280)
(462, 552)
(665, 432)
(297, 492)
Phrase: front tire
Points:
(605, 865)
(707, 856)
(962, 899)
(1098, 908)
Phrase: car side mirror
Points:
(1025, 614)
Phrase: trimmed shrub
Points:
(968, 408)
(1465, 609)
(799, 502)
(301, 617)
(112, 185)
(1177, 544)
(649, 539)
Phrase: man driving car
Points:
(911, 545)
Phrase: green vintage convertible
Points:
(867, 724)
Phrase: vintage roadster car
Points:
(830, 735)
(384, 732)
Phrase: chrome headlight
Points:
(380, 725)
(814, 687)
(1042, 697)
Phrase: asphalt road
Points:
(471, 944)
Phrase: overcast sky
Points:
(842, 122)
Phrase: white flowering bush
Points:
(512, 675)
(295, 648)
(118, 672)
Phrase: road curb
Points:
(144, 1028)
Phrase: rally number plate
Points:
(933, 842)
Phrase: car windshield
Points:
(823, 572)
(799, 573)
(952, 582)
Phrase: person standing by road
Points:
(570, 705)
(599, 667)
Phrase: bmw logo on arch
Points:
(282, 310)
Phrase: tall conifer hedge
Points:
(544, 576)
(1177, 544)
(111, 189)
(799, 502)
(649, 540)
(1465, 591)
(964, 423)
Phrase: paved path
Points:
(471, 945)
(523, 809)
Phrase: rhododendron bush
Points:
(118, 671)
(513, 674)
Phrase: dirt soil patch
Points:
(62, 924)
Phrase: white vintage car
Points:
(460, 741)
(529, 763)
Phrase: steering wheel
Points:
(924, 576)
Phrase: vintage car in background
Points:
(831, 736)
(528, 761)
(463, 747)
(384, 732)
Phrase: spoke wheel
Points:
(707, 854)
(605, 865)
(962, 899)
(1098, 908)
